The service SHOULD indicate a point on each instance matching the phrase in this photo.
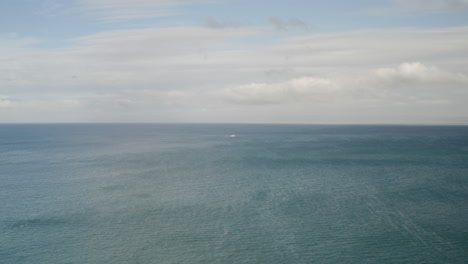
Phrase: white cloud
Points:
(305, 89)
(6, 102)
(114, 10)
(421, 6)
(106, 101)
(203, 74)
(418, 72)
(409, 82)
(372, 47)
(432, 5)
(11, 42)
(414, 83)
(153, 43)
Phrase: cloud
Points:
(285, 25)
(417, 72)
(115, 10)
(144, 44)
(192, 74)
(409, 82)
(279, 72)
(432, 6)
(416, 82)
(106, 101)
(211, 22)
(421, 6)
(308, 89)
(204, 58)
(13, 41)
(375, 46)
(146, 58)
(412, 83)
(6, 102)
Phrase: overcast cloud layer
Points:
(220, 68)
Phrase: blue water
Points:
(89, 193)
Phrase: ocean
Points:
(229, 193)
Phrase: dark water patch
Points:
(40, 222)
(113, 188)
(142, 195)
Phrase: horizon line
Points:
(234, 123)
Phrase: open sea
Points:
(186, 193)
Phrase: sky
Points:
(234, 61)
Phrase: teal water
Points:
(272, 194)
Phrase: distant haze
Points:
(234, 61)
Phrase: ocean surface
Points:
(185, 193)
